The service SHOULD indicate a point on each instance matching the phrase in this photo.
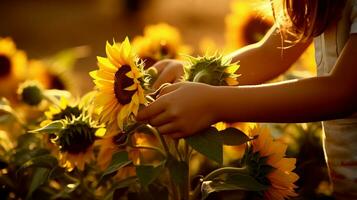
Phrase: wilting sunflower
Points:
(12, 67)
(75, 141)
(266, 160)
(159, 41)
(213, 70)
(246, 24)
(120, 84)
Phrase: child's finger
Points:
(177, 135)
(169, 88)
(167, 128)
(151, 110)
(162, 118)
(156, 93)
(159, 66)
(164, 77)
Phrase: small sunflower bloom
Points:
(266, 161)
(213, 70)
(246, 24)
(109, 145)
(47, 76)
(12, 67)
(120, 83)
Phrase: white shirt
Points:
(340, 140)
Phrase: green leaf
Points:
(233, 137)
(43, 161)
(39, 178)
(24, 154)
(231, 181)
(178, 171)
(119, 160)
(52, 127)
(208, 143)
(147, 173)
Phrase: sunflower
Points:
(75, 141)
(247, 24)
(109, 145)
(47, 76)
(159, 41)
(234, 153)
(265, 158)
(12, 67)
(213, 70)
(31, 93)
(120, 84)
(64, 110)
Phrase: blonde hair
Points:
(305, 19)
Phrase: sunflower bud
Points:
(213, 70)
(31, 93)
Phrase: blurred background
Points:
(42, 28)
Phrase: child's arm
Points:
(266, 59)
(185, 108)
(259, 62)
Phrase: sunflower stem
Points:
(217, 172)
(196, 192)
(162, 140)
(150, 148)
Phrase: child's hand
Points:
(182, 109)
(169, 71)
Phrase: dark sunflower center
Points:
(255, 30)
(5, 66)
(121, 81)
(76, 138)
(68, 112)
(164, 50)
(56, 82)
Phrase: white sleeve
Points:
(354, 17)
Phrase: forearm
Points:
(306, 100)
(266, 60)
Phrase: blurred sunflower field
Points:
(68, 127)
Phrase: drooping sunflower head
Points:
(159, 41)
(31, 93)
(213, 70)
(246, 24)
(75, 141)
(12, 67)
(266, 161)
(120, 82)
